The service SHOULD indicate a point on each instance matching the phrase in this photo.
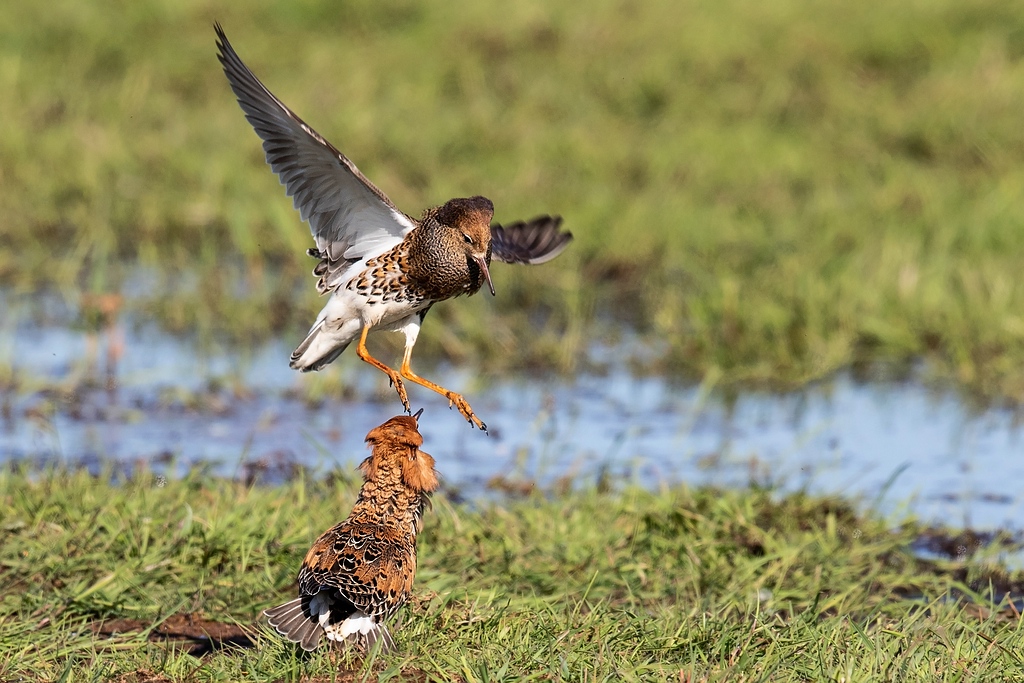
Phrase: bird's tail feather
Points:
(365, 642)
(315, 351)
(379, 633)
(293, 621)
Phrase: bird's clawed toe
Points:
(467, 412)
(403, 396)
(396, 381)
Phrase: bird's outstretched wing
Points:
(371, 565)
(350, 218)
(537, 240)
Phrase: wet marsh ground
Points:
(155, 579)
(764, 195)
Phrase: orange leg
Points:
(396, 380)
(453, 398)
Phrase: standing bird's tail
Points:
(294, 621)
(305, 619)
(378, 632)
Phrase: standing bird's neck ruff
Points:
(359, 572)
(398, 477)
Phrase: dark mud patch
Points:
(406, 676)
(141, 676)
(986, 590)
(198, 635)
(964, 544)
(987, 594)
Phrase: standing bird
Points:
(358, 573)
(383, 269)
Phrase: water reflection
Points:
(900, 447)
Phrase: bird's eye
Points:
(469, 240)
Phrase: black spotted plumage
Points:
(381, 267)
(361, 571)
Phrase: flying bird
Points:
(382, 268)
(359, 572)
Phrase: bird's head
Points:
(469, 221)
(396, 448)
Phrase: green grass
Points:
(691, 585)
(773, 191)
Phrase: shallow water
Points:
(898, 447)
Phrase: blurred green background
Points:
(766, 192)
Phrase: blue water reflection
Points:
(902, 447)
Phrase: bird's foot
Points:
(396, 381)
(467, 412)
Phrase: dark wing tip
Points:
(223, 44)
(534, 242)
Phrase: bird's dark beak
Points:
(416, 415)
(482, 262)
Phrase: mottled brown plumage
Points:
(382, 268)
(358, 573)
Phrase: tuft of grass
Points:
(681, 584)
(776, 191)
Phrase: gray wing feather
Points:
(348, 215)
